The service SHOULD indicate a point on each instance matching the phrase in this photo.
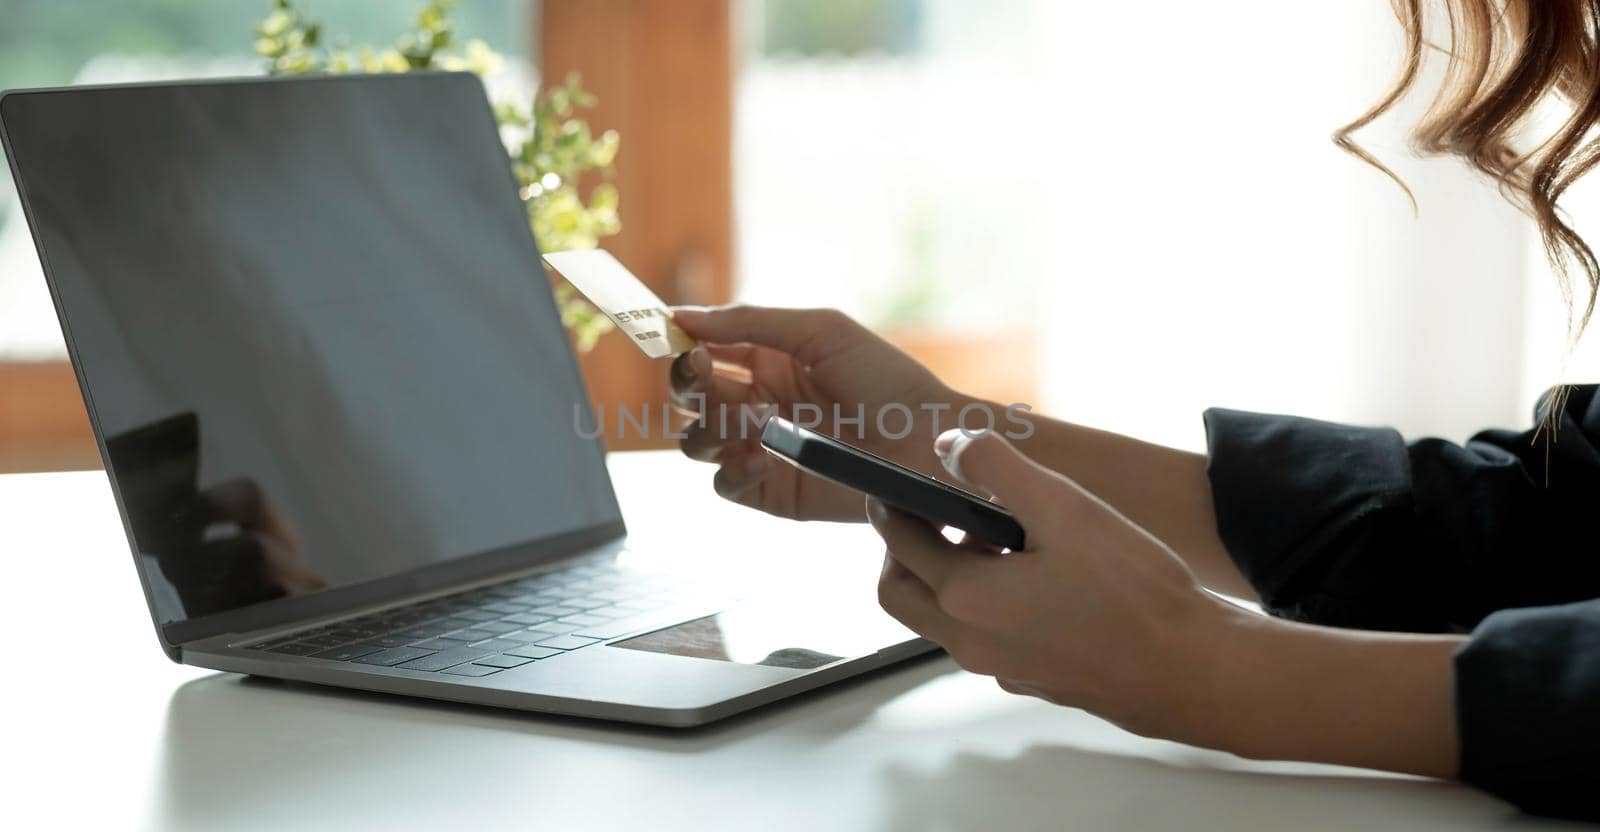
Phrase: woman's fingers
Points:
(704, 443)
(908, 600)
(739, 477)
(717, 402)
(690, 374)
(699, 384)
(921, 548)
(1033, 493)
(743, 360)
(808, 335)
(973, 543)
(1022, 689)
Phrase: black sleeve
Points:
(1353, 527)
(1528, 708)
(1350, 526)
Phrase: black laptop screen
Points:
(316, 336)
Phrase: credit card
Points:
(623, 298)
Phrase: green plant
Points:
(552, 149)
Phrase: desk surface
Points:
(108, 731)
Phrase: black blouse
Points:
(1353, 527)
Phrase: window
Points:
(886, 165)
(1149, 192)
(1118, 213)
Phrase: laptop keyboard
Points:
(483, 631)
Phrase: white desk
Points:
(100, 728)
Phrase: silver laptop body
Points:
(341, 416)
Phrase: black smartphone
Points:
(895, 485)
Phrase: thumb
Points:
(985, 460)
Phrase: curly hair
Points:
(1504, 59)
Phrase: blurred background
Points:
(1118, 213)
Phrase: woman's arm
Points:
(1161, 489)
(1288, 691)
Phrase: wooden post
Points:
(43, 423)
(663, 73)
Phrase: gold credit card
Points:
(624, 299)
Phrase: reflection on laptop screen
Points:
(314, 327)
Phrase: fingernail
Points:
(700, 362)
(692, 313)
(683, 369)
(948, 448)
(875, 510)
(754, 465)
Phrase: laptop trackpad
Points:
(774, 635)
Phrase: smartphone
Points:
(895, 485)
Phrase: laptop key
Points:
(297, 649)
(533, 651)
(389, 641)
(556, 610)
(525, 636)
(439, 644)
(471, 670)
(451, 622)
(499, 644)
(526, 618)
(477, 615)
(421, 632)
(445, 658)
(347, 653)
(568, 642)
(393, 656)
(499, 626)
(641, 604)
(471, 634)
(621, 626)
(502, 661)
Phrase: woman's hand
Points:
(1095, 613)
(812, 364)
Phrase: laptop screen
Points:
(316, 336)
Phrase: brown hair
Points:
(1505, 58)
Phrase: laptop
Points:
(341, 416)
